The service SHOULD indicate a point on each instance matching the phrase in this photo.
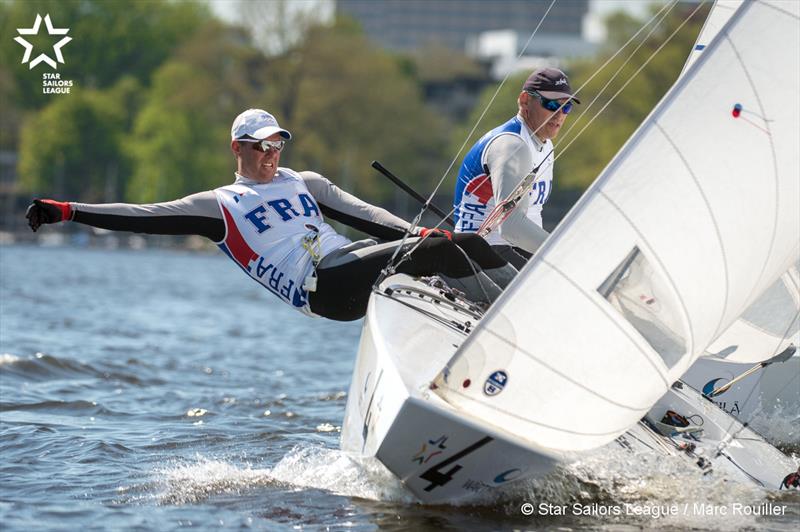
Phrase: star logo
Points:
(35, 31)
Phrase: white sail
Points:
(690, 223)
(767, 327)
(720, 13)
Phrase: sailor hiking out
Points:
(271, 223)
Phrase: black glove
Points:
(46, 211)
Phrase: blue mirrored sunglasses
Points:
(552, 105)
(265, 145)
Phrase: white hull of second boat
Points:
(442, 455)
(774, 388)
(720, 438)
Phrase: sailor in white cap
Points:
(270, 222)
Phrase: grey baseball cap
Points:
(256, 124)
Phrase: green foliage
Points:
(593, 149)
(176, 149)
(495, 106)
(72, 148)
(158, 83)
(349, 103)
(346, 101)
(11, 115)
(181, 138)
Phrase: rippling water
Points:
(160, 390)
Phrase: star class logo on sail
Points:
(51, 81)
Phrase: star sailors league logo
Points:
(51, 81)
(35, 31)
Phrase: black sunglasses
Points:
(552, 105)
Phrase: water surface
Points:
(160, 390)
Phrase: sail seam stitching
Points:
(776, 8)
(608, 314)
(656, 258)
(563, 375)
(696, 181)
(775, 179)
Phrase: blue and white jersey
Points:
(265, 228)
(474, 195)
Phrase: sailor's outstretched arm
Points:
(349, 210)
(198, 214)
(509, 161)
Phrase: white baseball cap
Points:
(256, 124)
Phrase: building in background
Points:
(509, 51)
(495, 33)
(495, 36)
(409, 24)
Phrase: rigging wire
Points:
(391, 266)
(486, 109)
(746, 424)
(633, 76)
(625, 85)
(658, 50)
(668, 7)
(731, 435)
(585, 110)
(661, 15)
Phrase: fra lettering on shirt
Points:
(283, 208)
(471, 211)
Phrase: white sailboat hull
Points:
(744, 452)
(774, 388)
(442, 455)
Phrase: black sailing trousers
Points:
(344, 282)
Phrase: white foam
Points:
(194, 482)
(316, 467)
(615, 478)
(609, 477)
(780, 426)
(8, 358)
(340, 473)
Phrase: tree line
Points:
(157, 84)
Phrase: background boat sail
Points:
(749, 370)
(721, 12)
(686, 228)
(766, 329)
